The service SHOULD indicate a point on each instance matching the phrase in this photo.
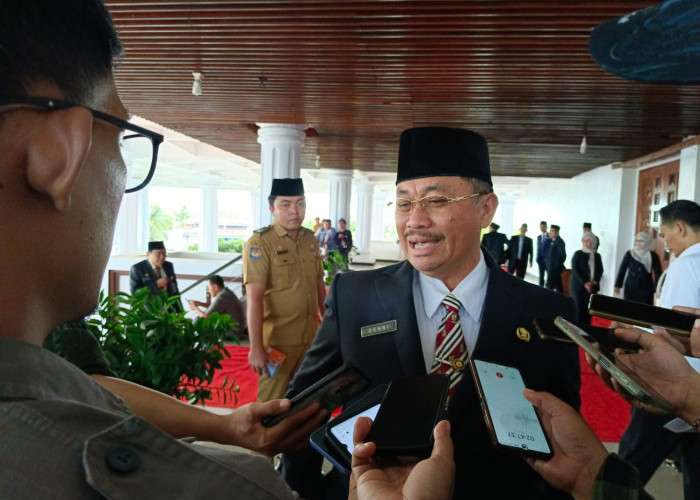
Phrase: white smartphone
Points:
(510, 418)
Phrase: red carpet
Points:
(604, 410)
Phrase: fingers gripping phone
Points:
(547, 330)
(332, 391)
(334, 440)
(410, 410)
(626, 378)
(510, 419)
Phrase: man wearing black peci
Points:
(155, 273)
(444, 198)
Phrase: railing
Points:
(216, 271)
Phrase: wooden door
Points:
(658, 186)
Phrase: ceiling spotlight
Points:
(584, 145)
(197, 84)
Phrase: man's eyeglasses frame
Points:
(426, 199)
(49, 104)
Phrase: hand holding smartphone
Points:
(547, 330)
(332, 391)
(626, 378)
(510, 419)
(410, 410)
(334, 440)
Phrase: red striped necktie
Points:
(450, 349)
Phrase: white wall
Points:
(594, 197)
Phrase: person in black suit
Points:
(519, 252)
(586, 271)
(155, 273)
(444, 198)
(556, 255)
(543, 243)
(496, 244)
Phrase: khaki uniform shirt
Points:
(65, 437)
(290, 271)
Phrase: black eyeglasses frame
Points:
(50, 104)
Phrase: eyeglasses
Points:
(431, 204)
(139, 148)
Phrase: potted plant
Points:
(147, 342)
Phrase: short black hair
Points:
(69, 43)
(342, 220)
(217, 280)
(685, 211)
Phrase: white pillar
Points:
(143, 225)
(688, 178)
(280, 158)
(340, 191)
(378, 206)
(255, 200)
(363, 229)
(209, 225)
(126, 234)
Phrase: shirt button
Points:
(123, 457)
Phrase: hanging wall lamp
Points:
(197, 84)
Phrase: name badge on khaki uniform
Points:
(379, 328)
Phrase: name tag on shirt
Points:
(379, 328)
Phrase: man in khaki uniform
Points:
(283, 278)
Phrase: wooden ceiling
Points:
(358, 73)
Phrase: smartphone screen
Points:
(343, 430)
(511, 418)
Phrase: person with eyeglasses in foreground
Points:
(63, 177)
(581, 465)
(448, 301)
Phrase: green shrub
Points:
(148, 343)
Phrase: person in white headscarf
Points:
(640, 271)
(586, 271)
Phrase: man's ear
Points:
(57, 153)
(682, 228)
(488, 205)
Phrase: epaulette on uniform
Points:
(263, 229)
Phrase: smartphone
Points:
(334, 440)
(547, 330)
(622, 374)
(638, 314)
(510, 419)
(332, 391)
(410, 410)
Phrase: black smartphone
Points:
(334, 440)
(547, 330)
(621, 373)
(410, 410)
(332, 391)
(638, 314)
(510, 419)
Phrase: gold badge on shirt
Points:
(523, 334)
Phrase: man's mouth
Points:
(419, 242)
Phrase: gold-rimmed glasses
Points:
(431, 204)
